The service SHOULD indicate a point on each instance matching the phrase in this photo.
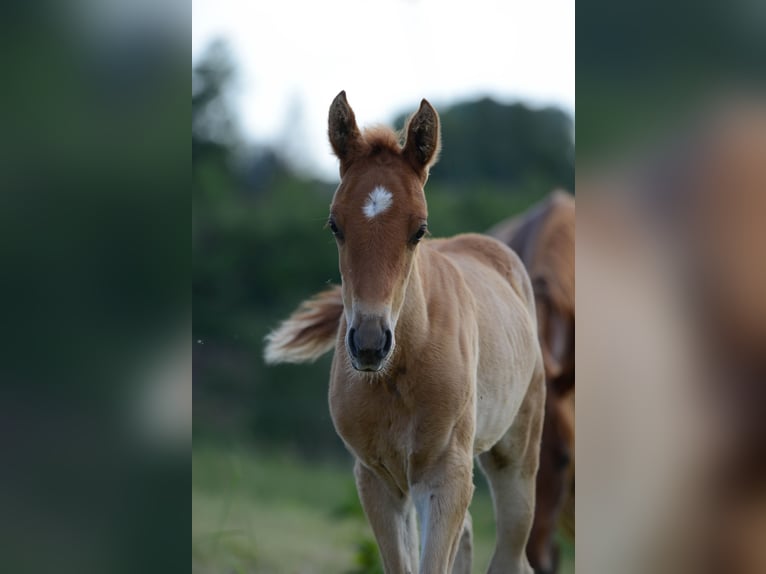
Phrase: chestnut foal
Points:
(436, 357)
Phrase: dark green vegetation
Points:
(260, 248)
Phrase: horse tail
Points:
(309, 333)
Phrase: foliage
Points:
(255, 510)
(367, 559)
(508, 145)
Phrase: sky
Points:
(293, 57)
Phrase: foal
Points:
(436, 357)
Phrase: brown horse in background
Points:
(436, 361)
(544, 238)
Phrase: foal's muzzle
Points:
(369, 343)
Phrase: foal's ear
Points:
(344, 134)
(423, 138)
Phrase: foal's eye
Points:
(419, 234)
(334, 228)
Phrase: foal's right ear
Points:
(344, 134)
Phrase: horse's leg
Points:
(465, 548)
(412, 532)
(442, 498)
(511, 467)
(391, 516)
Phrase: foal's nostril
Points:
(387, 344)
(352, 343)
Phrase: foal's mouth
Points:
(375, 366)
(368, 368)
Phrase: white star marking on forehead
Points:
(379, 200)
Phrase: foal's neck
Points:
(412, 326)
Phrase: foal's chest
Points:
(376, 422)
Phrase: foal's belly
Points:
(496, 408)
(508, 356)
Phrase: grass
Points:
(272, 513)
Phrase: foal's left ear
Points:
(423, 138)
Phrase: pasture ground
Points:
(255, 511)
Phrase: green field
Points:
(260, 512)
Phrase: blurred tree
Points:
(212, 118)
(252, 219)
(485, 141)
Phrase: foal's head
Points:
(378, 216)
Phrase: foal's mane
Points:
(381, 138)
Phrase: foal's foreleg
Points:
(511, 468)
(392, 518)
(464, 558)
(442, 500)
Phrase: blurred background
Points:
(671, 287)
(272, 487)
(95, 352)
